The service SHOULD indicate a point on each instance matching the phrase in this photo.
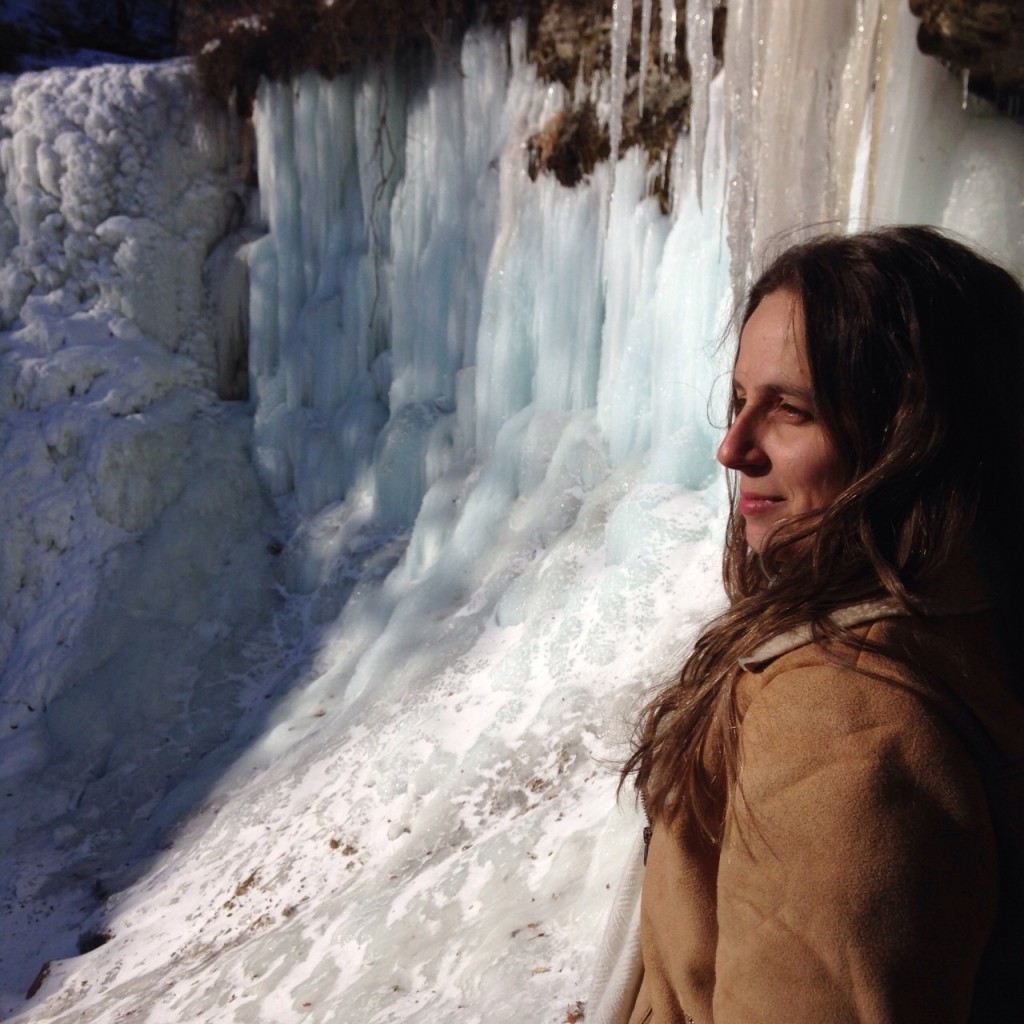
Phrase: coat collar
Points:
(852, 616)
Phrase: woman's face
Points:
(785, 462)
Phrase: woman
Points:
(834, 781)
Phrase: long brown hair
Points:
(915, 348)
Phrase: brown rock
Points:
(984, 38)
(570, 40)
(37, 982)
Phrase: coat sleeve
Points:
(857, 872)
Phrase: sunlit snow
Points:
(312, 703)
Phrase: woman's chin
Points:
(757, 534)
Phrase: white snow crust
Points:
(312, 703)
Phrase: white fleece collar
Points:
(847, 618)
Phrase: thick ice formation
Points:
(699, 14)
(115, 189)
(134, 530)
(486, 408)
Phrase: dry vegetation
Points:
(570, 40)
(236, 42)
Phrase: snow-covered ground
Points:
(312, 704)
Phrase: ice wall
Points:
(840, 118)
(435, 303)
(420, 309)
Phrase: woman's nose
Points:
(740, 448)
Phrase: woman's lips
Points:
(755, 504)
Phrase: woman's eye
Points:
(794, 412)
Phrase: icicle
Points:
(743, 80)
(875, 127)
(622, 27)
(698, 53)
(966, 75)
(645, 52)
(668, 36)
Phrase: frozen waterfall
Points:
(310, 704)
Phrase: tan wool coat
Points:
(872, 863)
